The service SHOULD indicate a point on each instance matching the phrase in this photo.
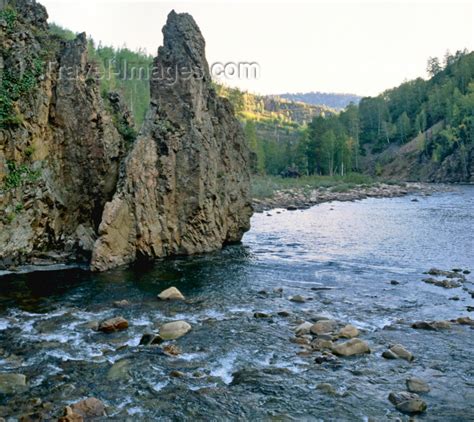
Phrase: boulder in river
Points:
(12, 383)
(113, 324)
(417, 385)
(87, 409)
(349, 331)
(398, 351)
(409, 403)
(174, 330)
(171, 294)
(352, 347)
(324, 326)
(298, 299)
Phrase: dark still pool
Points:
(270, 321)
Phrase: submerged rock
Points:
(431, 325)
(113, 324)
(12, 383)
(121, 303)
(298, 299)
(120, 370)
(171, 294)
(261, 315)
(417, 385)
(351, 347)
(174, 330)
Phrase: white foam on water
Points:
(225, 368)
(191, 356)
(135, 411)
(212, 313)
(4, 324)
(199, 387)
(159, 385)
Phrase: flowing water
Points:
(237, 367)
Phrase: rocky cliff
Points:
(73, 185)
(185, 188)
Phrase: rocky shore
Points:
(305, 197)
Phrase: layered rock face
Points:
(185, 188)
(71, 186)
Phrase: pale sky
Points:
(361, 47)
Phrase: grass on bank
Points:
(266, 186)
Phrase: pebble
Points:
(298, 299)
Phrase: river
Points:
(341, 256)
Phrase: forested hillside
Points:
(421, 130)
(328, 99)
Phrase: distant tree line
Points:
(334, 144)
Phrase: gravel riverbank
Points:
(301, 198)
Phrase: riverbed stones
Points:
(297, 299)
(303, 328)
(465, 321)
(12, 383)
(446, 284)
(397, 351)
(323, 327)
(171, 293)
(119, 371)
(87, 409)
(409, 403)
(113, 324)
(417, 385)
(150, 339)
(321, 344)
(171, 350)
(348, 331)
(174, 330)
(352, 347)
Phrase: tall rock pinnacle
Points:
(185, 185)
